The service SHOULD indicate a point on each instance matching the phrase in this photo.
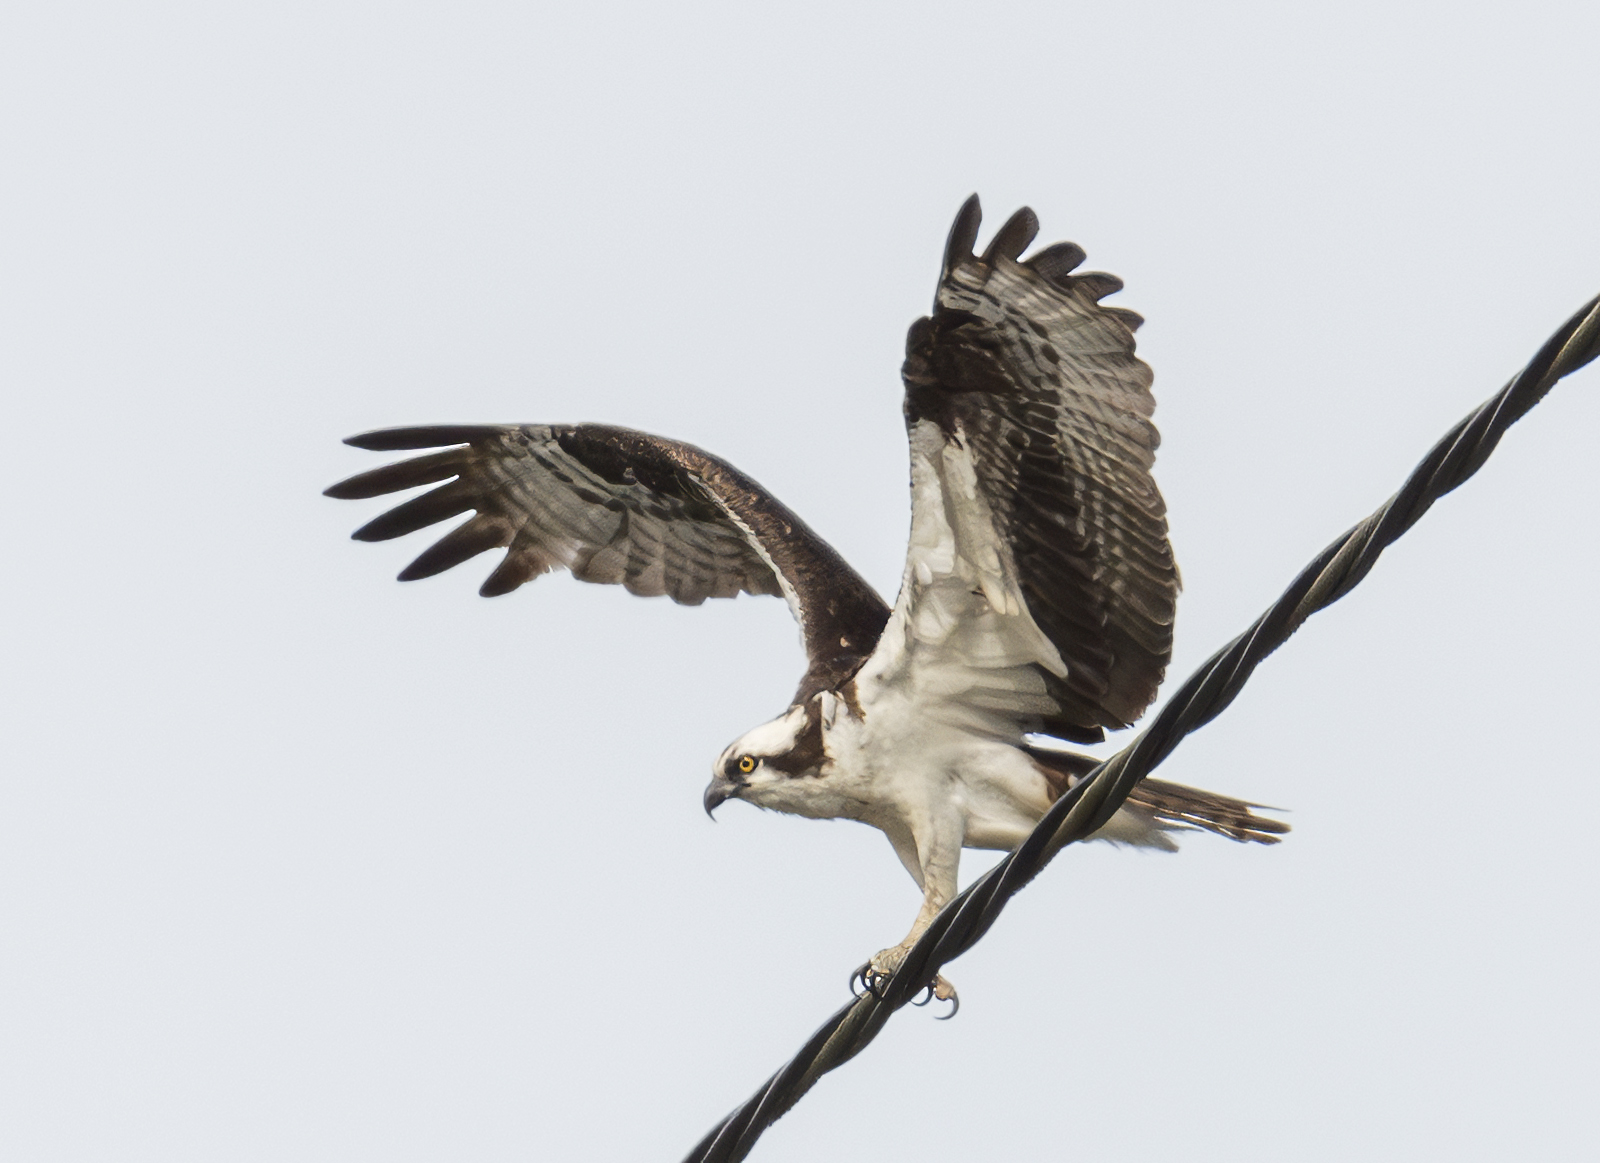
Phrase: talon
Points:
(870, 980)
(944, 991)
(862, 974)
(927, 995)
(875, 974)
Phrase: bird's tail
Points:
(1175, 805)
(1171, 805)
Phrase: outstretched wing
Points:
(619, 507)
(1040, 587)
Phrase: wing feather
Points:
(478, 535)
(430, 508)
(405, 474)
(1022, 380)
(619, 507)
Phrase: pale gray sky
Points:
(300, 863)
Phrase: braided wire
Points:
(1086, 807)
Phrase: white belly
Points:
(911, 774)
(911, 771)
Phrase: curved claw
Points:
(871, 981)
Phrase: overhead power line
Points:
(1092, 802)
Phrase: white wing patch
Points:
(960, 642)
(790, 595)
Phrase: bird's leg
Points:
(936, 869)
(886, 961)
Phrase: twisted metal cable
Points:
(1086, 808)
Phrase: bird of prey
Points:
(1035, 609)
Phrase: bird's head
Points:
(770, 765)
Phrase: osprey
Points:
(1036, 604)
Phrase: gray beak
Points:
(718, 790)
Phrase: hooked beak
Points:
(720, 789)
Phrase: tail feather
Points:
(1189, 807)
(1172, 805)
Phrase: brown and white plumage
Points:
(615, 506)
(1038, 593)
(1022, 363)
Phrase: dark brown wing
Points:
(1024, 363)
(620, 507)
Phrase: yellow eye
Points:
(747, 764)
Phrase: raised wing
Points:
(1040, 587)
(619, 507)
